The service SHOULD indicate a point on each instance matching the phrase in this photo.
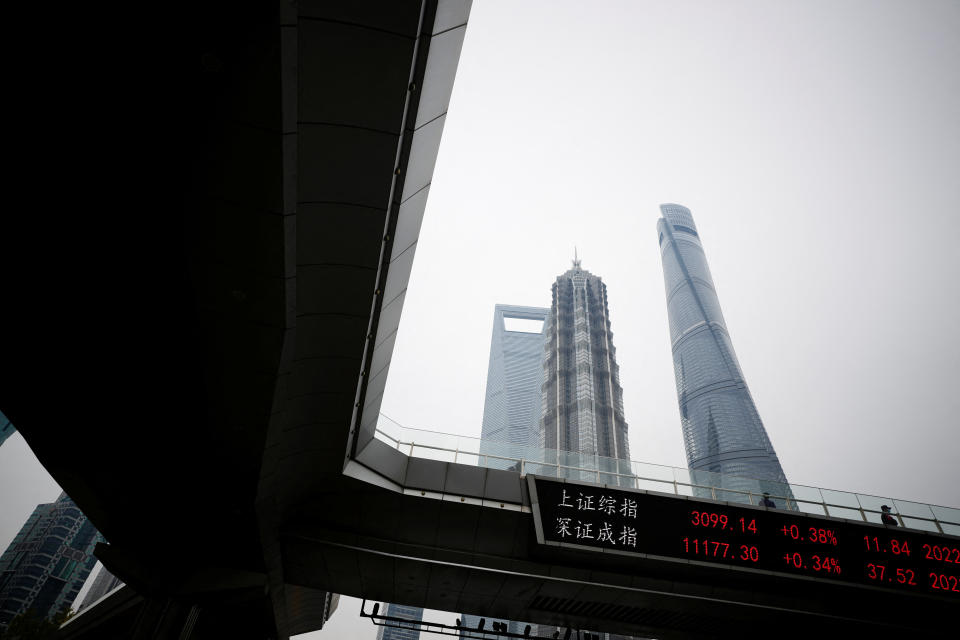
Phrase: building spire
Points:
(576, 260)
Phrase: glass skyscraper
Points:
(511, 408)
(582, 418)
(722, 431)
(6, 428)
(48, 561)
(553, 392)
(414, 614)
(582, 401)
(104, 583)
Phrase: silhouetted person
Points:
(767, 502)
(886, 518)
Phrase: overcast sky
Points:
(818, 147)
(817, 143)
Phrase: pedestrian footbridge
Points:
(198, 359)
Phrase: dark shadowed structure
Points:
(208, 342)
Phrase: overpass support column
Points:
(165, 619)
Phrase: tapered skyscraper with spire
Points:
(582, 410)
(569, 364)
(722, 431)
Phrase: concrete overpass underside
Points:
(200, 363)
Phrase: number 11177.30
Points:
(716, 549)
(704, 547)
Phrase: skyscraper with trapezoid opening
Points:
(511, 407)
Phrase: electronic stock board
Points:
(663, 527)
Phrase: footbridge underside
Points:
(200, 363)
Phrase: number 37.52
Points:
(879, 572)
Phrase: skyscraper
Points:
(582, 401)
(554, 385)
(511, 408)
(104, 583)
(414, 614)
(47, 562)
(511, 413)
(530, 345)
(582, 418)
(512, 403)
(6, 428)
(722, 431)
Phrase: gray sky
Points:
(818, 146)
(817, 143)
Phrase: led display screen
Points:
(790, 542)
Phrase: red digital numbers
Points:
(826, 565)
(875, 571)
(722, 522)
(822, 536)
(896, 547)
(823, 564)
(943, 582)
(942, 553)
(708, 548)
(749, 553)
(905, 576)
(900, 576)
(893, 559)
(816, 535)
(708, 519)
(716, 549)
(940, 582)
(899, 548)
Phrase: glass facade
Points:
(104, 583)
(6, 428)
(48, 561)
(553, 397)
(582, 401)
(722, 431)
(400, 632)
(468, 623)
(511, 408)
